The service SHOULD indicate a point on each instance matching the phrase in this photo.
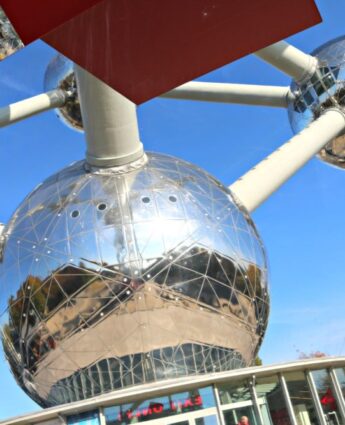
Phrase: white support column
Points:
(254, 187)
(255, 401)
(218, 405)
(315, 396)
(337, 393)
(31, 106)
(110, 123)
(287, 400)
(289, 60)
(245, 94)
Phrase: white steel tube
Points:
(254, 187)
(289, 60)
(232, 93)
(31, 106)
(110, 123)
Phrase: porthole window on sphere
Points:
(75, 214)
(145, 199)
(102, 206)
(172, 198)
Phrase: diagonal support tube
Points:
(289, 60)
(110, 123)
(254, 187)
(245, 94)
(32, 106)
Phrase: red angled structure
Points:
(147, 47)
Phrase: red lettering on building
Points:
(146, 412)
(158, 408)
(198, 400)
(188, 403)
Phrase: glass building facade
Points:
(308, 392)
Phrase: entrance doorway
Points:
(233, 416)
(233, 412)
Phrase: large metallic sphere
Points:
(324, 90)
(60, 75)
(119, 277)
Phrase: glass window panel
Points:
(180, 423)
(89, 418)
(341, 379)
(271, 400)
(160, 407)
(327, 399)
(234, 392)
(301, 399)
(207, 420)
(240, 416)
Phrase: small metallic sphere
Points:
(325, 89)
(124, 276)
(60, 75)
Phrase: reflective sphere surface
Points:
(9, 40)
(125, 276)
(60, 75)
(324, 90)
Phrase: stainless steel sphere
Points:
(124, 276)
(325, 89)
(60, 74)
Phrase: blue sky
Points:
(302, 225)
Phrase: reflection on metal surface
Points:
(112, 279)
(9, 40)
(2, 239)
(60, 74)
(169, 362)
(324, 90)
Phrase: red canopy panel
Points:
(143, 48)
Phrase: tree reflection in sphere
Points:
(124, 276)
(60, 75)
(9, 40)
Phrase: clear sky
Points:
(302, 225)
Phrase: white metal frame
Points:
(245, 94)
(34, 105)
(244, 403)
(181, 417)
(171, 386)
(337, 393)
(287, 400)
(218, 404)
(254, 403)
(289, 60)
(315, 396)
(110, 123)
(258, 184)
